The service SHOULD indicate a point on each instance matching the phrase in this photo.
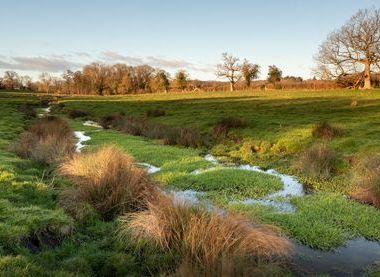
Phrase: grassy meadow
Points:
(278, 131)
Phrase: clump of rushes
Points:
(325, 130)
(319, 161)
(77, 113)
(28, 110)
(223, 126)
(367, 180)
(155, 113)
(49, 140)
(111, 121)
(109, 181)
(169, 135)
(205, 238)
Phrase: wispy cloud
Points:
(54, 63)
(163, 62)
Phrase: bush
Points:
(109, 181)
(319, 161)
(223, 126)
(111, 121)
(326, 131)
(197, 235)
(77, 113)
(155, 113)
(367, 180)
(49, 140)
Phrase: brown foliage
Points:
(318, 161)
(326, 131)
(224, 125)
(49, 140)
(109, 181)
(77, 113)
(169, 135)
(367, 180)
(203, 237)
(155, 113)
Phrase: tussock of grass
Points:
(319, 161)
(28, 110)
(188, 137)
(223, 126)
(76, 113)
(325, 130)
(203, 237)
(367, 180)
(49, 140)
(108, 180)
(155, 113)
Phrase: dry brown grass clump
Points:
(318, 161)
(367, 181)
(155, 113)
(325, 130)
(224, 125)
(109, 181)
(49, 140)
(205, 238)
(169, 135)
(77, 113)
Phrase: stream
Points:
(350, 260)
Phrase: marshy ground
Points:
(332, 233)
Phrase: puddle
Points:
(150, 168)
(349, 260)
(291, 186)
(91, 123)
(81, 138)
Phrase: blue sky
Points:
(52, 35)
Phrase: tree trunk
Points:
(231, 86)
(367, 76)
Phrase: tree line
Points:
(350, 57)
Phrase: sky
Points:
(53, 36)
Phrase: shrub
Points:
(77, 113)
(198, 235)
(155, 113)
(224, 125)
(326, 131)
(367, 180)
(108, 181)
(319, 161)
(111, 121)
(49, 140)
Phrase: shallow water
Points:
(81, 138)
(291, 187)
(349, 260)
(150, 168)
(45, 111)
(91, 123)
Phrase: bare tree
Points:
(352, 49)
(230, 69)
(249, 72)
(11, 80)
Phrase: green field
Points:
(279, 125)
